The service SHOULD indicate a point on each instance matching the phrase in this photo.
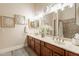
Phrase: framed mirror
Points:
(67, 21)
(77, 13)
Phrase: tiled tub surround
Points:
(67, 46)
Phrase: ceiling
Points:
(40, 7)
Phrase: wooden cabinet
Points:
(58, 50)
(55, 49)
(45, 51)
(37, 46)
(30, 42)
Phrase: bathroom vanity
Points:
(48, 47)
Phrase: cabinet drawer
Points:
(67, 53)
(55, 48)
(37, 48)
(32, 44)
(37, 41)
(42, 43)
(48, 46)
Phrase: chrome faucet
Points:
(58, 39)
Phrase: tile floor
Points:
(20, 52)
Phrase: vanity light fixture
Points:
(54, 7)
(37, 17)
(60, 6)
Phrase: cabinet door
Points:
(45, 51)
(32, 43)
(56, 54)
(56, 49)
(28, 41)
(37, 46)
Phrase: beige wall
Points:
(67, 13)
(39, 7)
(14, 36)
(9, 9)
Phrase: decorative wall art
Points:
(19, 19)
(7, 21)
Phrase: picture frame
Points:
(8, 22)
(19, 19)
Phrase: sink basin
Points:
(52, 39)
(58, 42)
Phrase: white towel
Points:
(76, 36)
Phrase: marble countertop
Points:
(67, 44)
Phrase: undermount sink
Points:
(58, 41)
(52, 39)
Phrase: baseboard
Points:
(11, 48)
